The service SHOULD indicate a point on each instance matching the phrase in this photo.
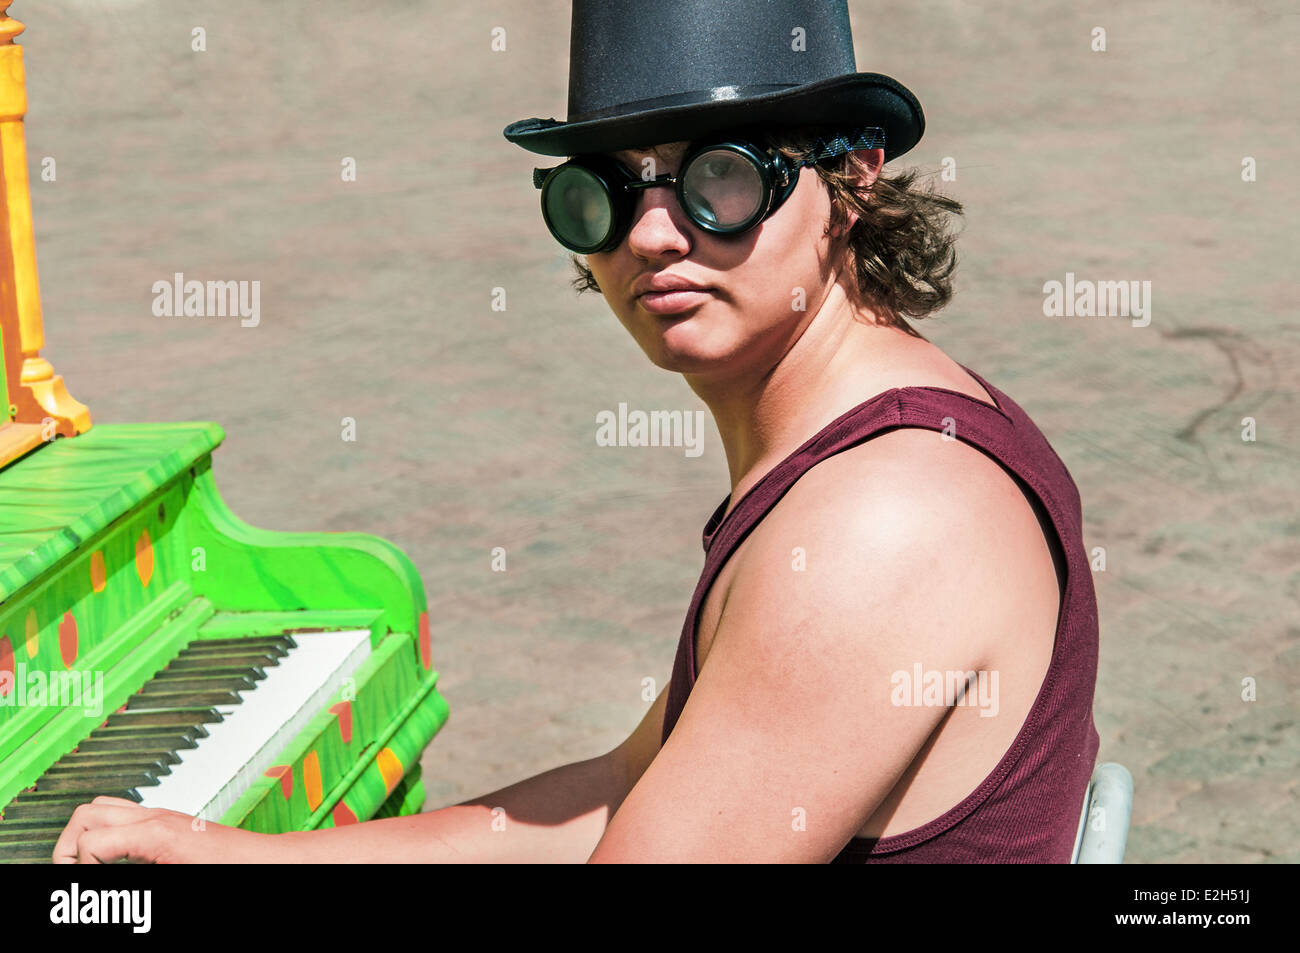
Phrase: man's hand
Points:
(111, 829)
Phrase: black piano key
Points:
(60, 811)
(149, 731)
(218, 651)
(180, 717)
(34, 850)
(242, 662)
(15, 839)
(153, 744)
(94, 783)
(232, 659)
(59, 808)
(29, 826)
(17, 833)
(112, 764)
(171, 700)
(34, 794)
(195, 682)
(216, 671)
(259, 643)
(68, 798)
(10, 845)
(254, 641)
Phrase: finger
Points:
(144, 842)
(90, 816)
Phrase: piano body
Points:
(156, 647)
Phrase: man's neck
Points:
(841, 358)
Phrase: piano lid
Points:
(52, 501)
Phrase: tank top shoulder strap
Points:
(962, 417)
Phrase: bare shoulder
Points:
(911, 467)
(936, 522)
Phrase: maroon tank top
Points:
(1027, 809)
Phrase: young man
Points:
(891, 652)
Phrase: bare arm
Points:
(557, 816)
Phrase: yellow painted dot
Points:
(390, 769)
(311, 780)
(144, 557)
(32, 632)
(98, 577)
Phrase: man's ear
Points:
(865, 165)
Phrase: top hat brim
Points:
(855, 99)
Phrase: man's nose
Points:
(659, 225)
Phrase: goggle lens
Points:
(578, 207)
(723, 188)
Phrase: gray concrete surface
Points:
(476, 427)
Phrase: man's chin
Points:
(682, 345)
(684, 360)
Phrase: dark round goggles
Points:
(725, 186)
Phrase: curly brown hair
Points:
(903, 244)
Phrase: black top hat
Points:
(642, 72)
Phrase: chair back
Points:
(1107, 808)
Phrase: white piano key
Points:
(239, 749)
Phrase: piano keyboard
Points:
(194, 737)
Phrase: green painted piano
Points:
(154, 646)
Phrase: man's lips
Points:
(665, 281)
(669, 294)
(675, 301)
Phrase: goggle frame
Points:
(777, 175)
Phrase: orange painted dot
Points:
(32, 631)
(344, 711)
(390, 769)
(144, 557)
(285, 774)
(426, 642)
(98, 576)
(6, 666)
(343, 815)
(311, 785)
(68, 639)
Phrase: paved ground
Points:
(475, 426)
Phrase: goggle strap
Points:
(869, 137)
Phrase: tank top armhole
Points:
(1044, 505)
